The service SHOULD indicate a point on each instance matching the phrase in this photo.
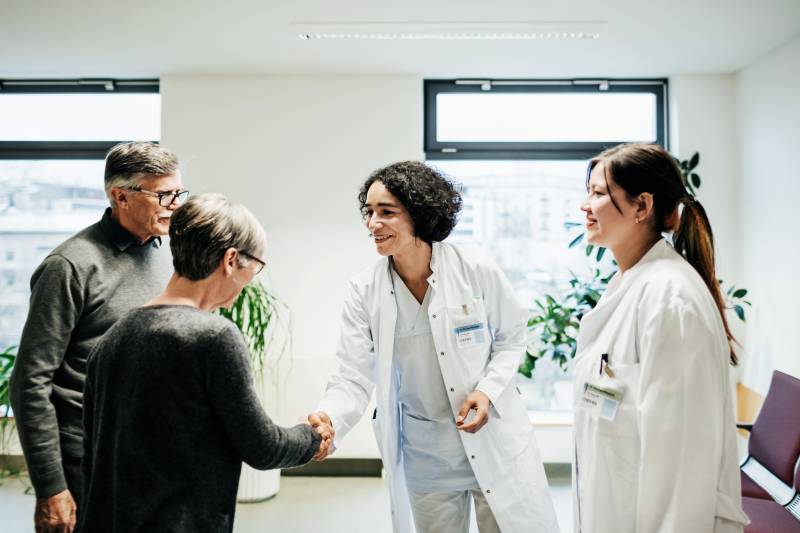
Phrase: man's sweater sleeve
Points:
(56, 305)
(260, 442)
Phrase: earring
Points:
(637, 220)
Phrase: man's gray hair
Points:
(202, 229)
(128, 163)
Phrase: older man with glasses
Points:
(78, 292)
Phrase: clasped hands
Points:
(321, 422)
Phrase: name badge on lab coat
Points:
(602, 400)
(470, 335)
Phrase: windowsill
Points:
(550, 419)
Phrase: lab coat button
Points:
(488, 491)
(452, 389)
(472, 457)
(434, 316)
(441, 353)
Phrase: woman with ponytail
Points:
(655, 446)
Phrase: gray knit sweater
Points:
(170, 413)
(79, 291)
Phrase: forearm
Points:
(55, 305)
(37, 426)
(286, 447)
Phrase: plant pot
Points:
(257, 485)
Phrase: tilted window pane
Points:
(80, 117)
(545, 117)
(41, 204)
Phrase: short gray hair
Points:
(202, 229)
(128, 163)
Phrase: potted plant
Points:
(553, 325)
(260, 316)
(11, 464)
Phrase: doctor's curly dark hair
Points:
(431, 197)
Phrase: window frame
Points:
(48, 150)
(435, 150)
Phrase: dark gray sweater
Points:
(79, 291)
(170, 413)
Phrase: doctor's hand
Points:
(322, 423)
(480, 402)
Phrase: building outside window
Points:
(53, 138)
(520, 150)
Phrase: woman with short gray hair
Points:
(170, 411)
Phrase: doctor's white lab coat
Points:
(667, 462)
(465, 286)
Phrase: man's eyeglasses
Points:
(261, 262)
(165, 199)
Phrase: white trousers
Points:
(448, 512)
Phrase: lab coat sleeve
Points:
(681, 417)
(350, 388)
(508, 323)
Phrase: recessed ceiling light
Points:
(460, 36)
(450, 31)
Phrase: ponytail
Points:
(694, 240)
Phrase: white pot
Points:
(258, 485)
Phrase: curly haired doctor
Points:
(438, 333)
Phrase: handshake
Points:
(322, 423)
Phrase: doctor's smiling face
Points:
(610, 215)
(388, 221)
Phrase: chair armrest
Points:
(746, 427)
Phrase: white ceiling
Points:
(149, 38)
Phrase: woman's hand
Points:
(322, 423)
(480, 402)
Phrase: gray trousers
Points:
(448, 512)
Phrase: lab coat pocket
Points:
(468, 332)
(430, 447)
(625, 423)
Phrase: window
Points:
(53, 138)
(519, 149)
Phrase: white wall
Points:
(703, 120)
(295, 150)
(768, 112)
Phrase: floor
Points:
(304, 504)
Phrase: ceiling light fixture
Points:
(453, 36)
(450, 31)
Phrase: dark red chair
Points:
(767, 516)
(774, 445)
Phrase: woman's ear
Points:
(644, 207)
(229, 259)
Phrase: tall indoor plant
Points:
(553, 324)
(10, 463)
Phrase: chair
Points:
(768, 471)
(768, 516)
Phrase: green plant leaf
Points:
(694, 160)
(695, 180)
(589, 248)
(575, 241)
(600, 252)
(740, 293)
(739, 310)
